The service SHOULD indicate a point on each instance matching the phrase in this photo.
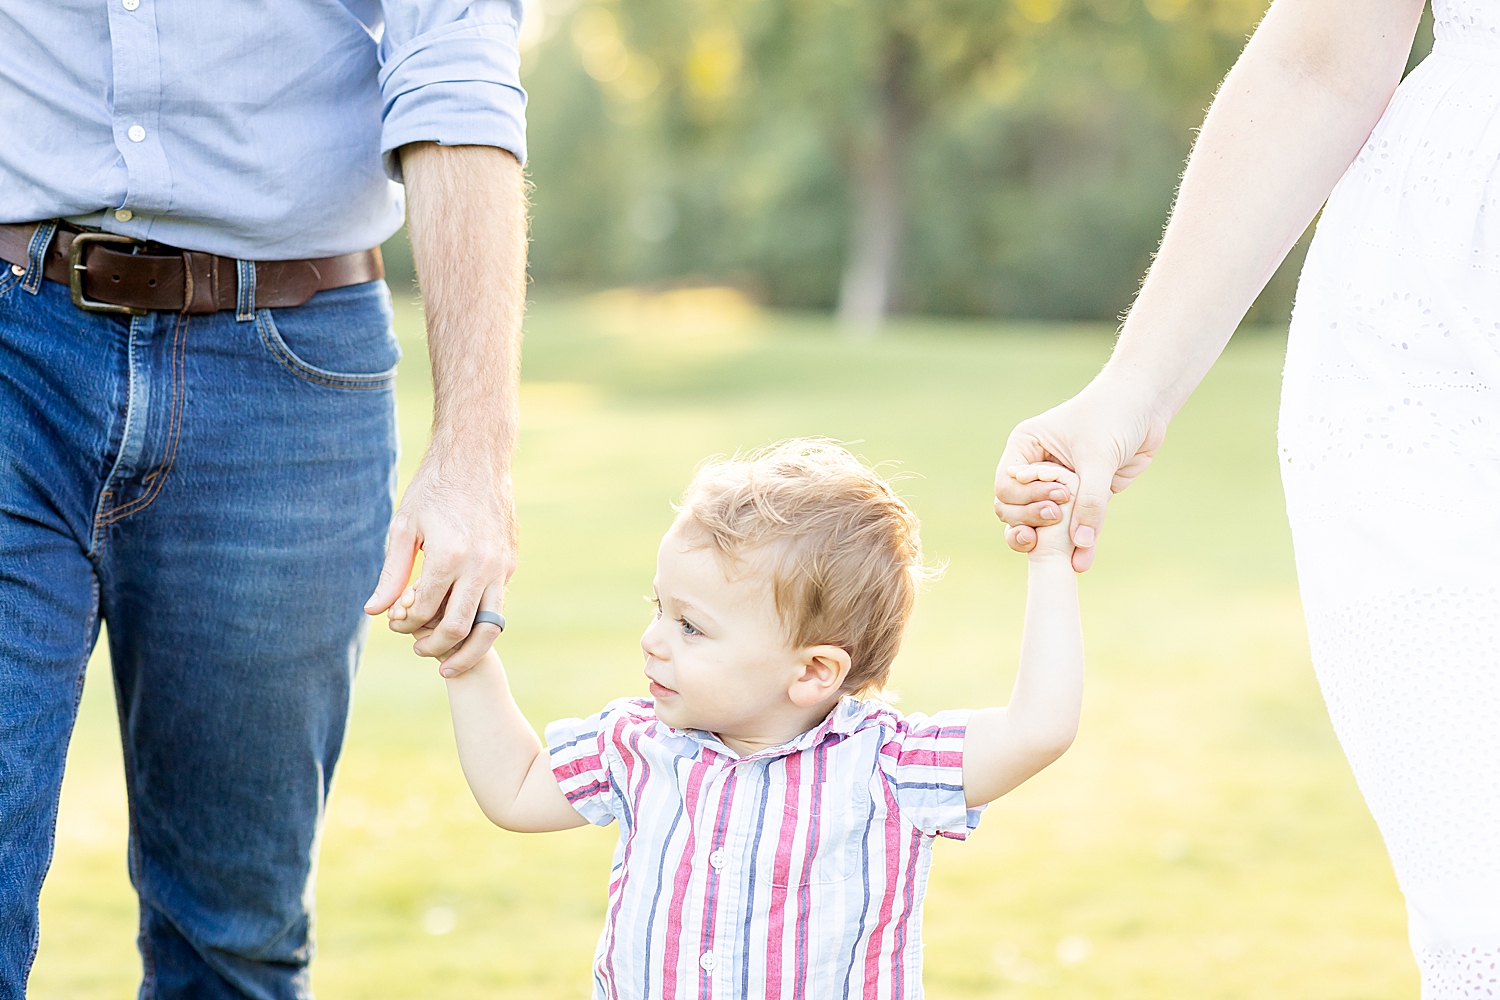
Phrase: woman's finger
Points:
(1038, 515)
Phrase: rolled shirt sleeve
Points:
(450, 73)
(924, 762)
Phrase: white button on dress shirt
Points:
(123, 215)
(708, 961)
(130, 4)
(716, 859)
(136, 133)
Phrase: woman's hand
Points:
(1286, 123)
(1107, 434)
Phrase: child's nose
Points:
(653, 641)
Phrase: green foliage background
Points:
(1036, 189)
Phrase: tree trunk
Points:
(878, 177)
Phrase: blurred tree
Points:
(1010, 158)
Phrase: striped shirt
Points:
(796, 873)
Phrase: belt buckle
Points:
(76, 269)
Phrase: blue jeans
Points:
(217, 489)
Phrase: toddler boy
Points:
(776, 817)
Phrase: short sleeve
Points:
(580, 752)
(450, 73)
(924, 759)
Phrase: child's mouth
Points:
(658, 691)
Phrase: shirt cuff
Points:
(459, 86)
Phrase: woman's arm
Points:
(1287, 122)
(1005, 746)
(508, 769)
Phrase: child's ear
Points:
(824, 669)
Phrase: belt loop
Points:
(36, 255)
(244, 310)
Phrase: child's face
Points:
(717, 653)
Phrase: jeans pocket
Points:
(342, 338)
(8, 279)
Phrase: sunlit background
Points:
(729, 198)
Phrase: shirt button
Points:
(137, 134)
(17, 270)
(716, 859)
(708, 960)
(123, 215)
(130, 4)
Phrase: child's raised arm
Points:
(508, 768)
(1005, 746)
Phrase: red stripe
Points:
(804, 891)
(898, 938)
(887, 898)
(710, 897)
(577, 766)
(780, 876)
(671, 956)
(628, 751)
(931, 758)
(577, 795)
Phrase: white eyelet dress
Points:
(1390, 449)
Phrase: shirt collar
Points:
(843, 719)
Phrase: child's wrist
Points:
(1051, 557)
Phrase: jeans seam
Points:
(244, 308)
(36, 253)
(88, 628)
(133, 850)
(306, 372)
(174, 424)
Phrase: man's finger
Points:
(439, 573)
(1020, 538)
(458, 619)
(1088, 511)
(400, 557)
(481, 637)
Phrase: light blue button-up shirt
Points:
(257, 129)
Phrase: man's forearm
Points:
(466, 213)
(1285, 125)
(467, 218)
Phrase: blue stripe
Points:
(554, 751)
(706, 977)
(864, 870)
(760, 826)
(938, 786)
(661, 868)
(585, 792)
(804, 891)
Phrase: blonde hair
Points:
(845, 556)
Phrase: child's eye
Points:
(688, 628)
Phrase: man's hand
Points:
(466, 212)
(466, 529)
(1107, 434)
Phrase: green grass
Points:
(1203, 838)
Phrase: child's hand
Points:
(402, 608)
(1052, 541)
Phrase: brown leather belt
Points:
(109, 273)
